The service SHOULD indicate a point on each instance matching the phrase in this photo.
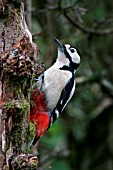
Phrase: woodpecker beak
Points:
(59, 44)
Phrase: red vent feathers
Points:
(38, 113)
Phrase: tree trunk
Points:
(18, 65)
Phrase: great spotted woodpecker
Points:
(54, 89)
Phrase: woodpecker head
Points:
(68, 54)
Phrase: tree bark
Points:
(19, 63)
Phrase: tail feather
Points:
(34, 141)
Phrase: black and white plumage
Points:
(59, 81)
(55, 88)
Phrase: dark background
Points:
(82, 138)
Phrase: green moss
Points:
(25, 107)
(32, 129)
(10, 105)
(18, 23)
(29, 135)
(5, 69)
(21, 108)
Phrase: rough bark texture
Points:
(18, 65)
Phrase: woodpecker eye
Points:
(72, 50)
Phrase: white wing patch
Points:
(61, 102)
(57, 113)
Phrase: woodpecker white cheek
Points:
(76, 58)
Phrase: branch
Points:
(78, 22)
(105, 104)
(99, 23)
(87, 30)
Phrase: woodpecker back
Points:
(57, 88)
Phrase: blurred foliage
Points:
(82, 138)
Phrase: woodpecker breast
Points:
(54, 84)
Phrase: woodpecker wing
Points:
(66, 95)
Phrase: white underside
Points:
(54, 81)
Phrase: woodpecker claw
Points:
(39, 78)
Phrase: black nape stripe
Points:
(73, 65)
